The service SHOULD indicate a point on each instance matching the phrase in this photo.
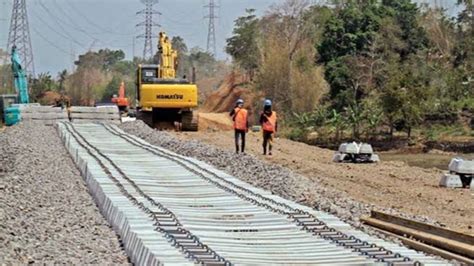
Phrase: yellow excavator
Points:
(163, 99)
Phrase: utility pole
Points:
(149, 24)
(19, 36)
(211, 32)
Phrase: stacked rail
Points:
(172, 209)
(449, 244)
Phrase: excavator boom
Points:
(21, 83)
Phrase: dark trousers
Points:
(267, 141)
(238, 134)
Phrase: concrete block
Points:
(42, 109)
(461, 166)
(85, 114)
(450, 181)
(339, 157)
(356, 148)
(349, 148)
(374, 158)
(96, 116)
(88, 109)
(366, 148)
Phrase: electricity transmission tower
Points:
(19, 36)
(148, 12)
(211, 33)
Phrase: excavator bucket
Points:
(83, 114)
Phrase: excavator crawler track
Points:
(190, 121)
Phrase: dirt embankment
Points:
(393, 185)
(214, 121)
(46, 213)
(233, 87)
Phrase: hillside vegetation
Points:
(361, 69)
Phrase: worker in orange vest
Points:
(268, 121)
(241, 124)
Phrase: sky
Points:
(63, 29)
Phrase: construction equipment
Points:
(121, 101)
(22, 109)
(162, 98)
(12, 112)
(355, 153)
(6, 100)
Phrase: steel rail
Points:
(316, 254)
(320, 255)
(165, 221)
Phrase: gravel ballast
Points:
(46, 212)
(272, 177)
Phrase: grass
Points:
(447, 133)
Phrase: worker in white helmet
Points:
(268, 121)
(241, 124)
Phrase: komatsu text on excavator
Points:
(162, 98)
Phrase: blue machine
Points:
(21, 83)
(12, 114)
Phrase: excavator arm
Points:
(168, 58)
(21, 83)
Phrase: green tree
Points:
(347, 38)
(104, 59)
(42, 83)
(183, 59)
(6, 79)
(464, 51)
(62, 76)
(111, 89)
(350, 32)
(407, 14)
(243, 46)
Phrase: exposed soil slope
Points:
(233, 87)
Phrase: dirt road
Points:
(389, 184)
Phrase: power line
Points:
(61, 21)
(63, 34)
(72, 25)
(211, 32)
(148, 12)
(50, 42)
(89, 21)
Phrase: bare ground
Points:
(391, 184)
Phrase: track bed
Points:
(173, 209)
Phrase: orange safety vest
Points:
(269, 125)
(240, 118)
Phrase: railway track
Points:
(173, 209)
